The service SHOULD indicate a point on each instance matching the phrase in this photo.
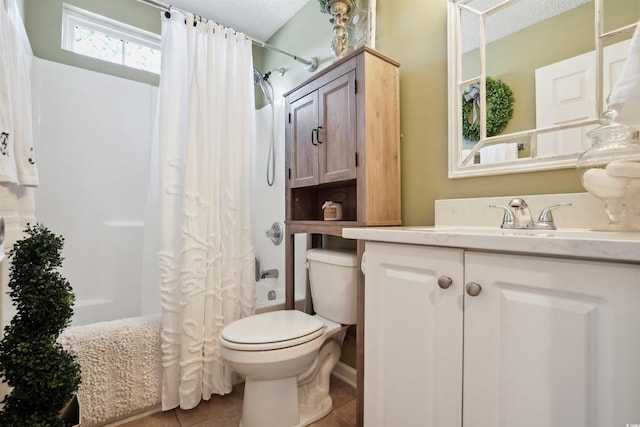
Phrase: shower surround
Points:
(92, 136)
(93, 133)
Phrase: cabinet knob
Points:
(473, 289)
(444, 282)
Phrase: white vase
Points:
(339, 11)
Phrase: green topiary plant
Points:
(42, 374)
(323, 5)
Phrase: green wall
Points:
(414, 33)
(44, 25)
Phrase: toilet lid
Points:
(272, 330)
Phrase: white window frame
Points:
(73, 16)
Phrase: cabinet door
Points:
(304, 152)
(551, 342)
(337, 134)
(413, 336)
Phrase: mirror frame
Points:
(455, 85)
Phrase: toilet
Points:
(287, 356)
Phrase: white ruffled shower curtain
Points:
(205, 134)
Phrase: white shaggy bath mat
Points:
(121, 367)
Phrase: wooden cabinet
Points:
(342, 131)
(323, 134)
(545, 342)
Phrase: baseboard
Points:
(346, 373)
(129, 418)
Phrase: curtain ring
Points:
(167, 14)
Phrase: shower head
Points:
(262, 81)
(257, 77)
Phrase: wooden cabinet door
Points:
(551, 342)
(304, 145)
(413, 336)
(337, 132)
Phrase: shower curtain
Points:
(205, 134)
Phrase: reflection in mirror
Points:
(469, 44)
(548, 56)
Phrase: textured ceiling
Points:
(256, 18)
(516, 17)
(262, 18)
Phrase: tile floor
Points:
(226, 411)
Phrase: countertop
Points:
(574, 243)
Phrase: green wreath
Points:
(499, 109)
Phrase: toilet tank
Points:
(333, 280)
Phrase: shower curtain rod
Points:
(310, 64)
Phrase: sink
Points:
(470, 224)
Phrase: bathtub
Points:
(268, 288)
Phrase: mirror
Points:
(546, 68)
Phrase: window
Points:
(93, 35)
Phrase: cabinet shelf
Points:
(333, 228)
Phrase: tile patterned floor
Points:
(226, 411)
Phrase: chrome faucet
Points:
(521, 213)
(520, 217)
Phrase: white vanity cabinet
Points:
(546, 341)
(551, 342)
(413, 335)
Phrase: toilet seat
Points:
(271, 331)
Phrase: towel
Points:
(17, 209)
(603, 185)
(17, 160)
(7, 70)
(625, 95)
(18, 171)
(499, 153)
(464, 154)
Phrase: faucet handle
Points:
(275, 233)
(545, 220)
(508, 221)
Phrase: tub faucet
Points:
(273, 273)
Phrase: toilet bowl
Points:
(287, 356)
